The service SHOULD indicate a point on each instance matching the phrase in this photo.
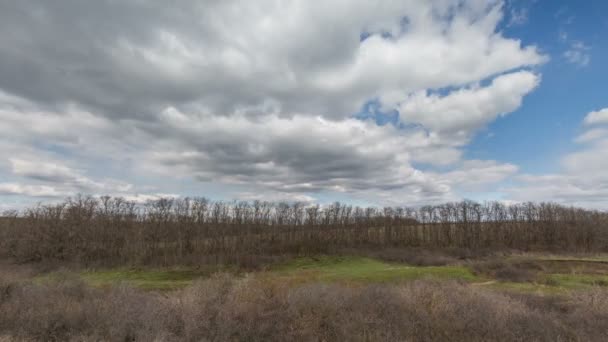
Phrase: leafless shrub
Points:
(65, 308)
(456, 312)
(225, 308)
(413, 256)
(505, 270)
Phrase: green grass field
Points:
(360, 269)
(145, 279)
(557, 275)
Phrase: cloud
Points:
(465, 110)
(167, 98)
(476, 174)
(275, 197)
(578, 54)
(144, 198)
(31, 190)
(518, 16)
(581, 181)
(65, 177)
(591, 135)
(298, 154)
(561, 188)
(133, 58)
(597, 117)
(588, 162)
(45, 171)
(52, 179)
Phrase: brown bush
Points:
(66, 308)
(504, 270)
(411, 256)
(224, 308)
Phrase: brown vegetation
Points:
(517, 271)
(182, 231)
(112, 231)
(225, 308)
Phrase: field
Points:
(192, 271)
(330, 297)
(525, 273)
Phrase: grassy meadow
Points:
(527, 273)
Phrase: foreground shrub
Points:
(225, 308)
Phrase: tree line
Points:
(94, 230)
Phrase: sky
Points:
(367, 102)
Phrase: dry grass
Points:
(512, 271)
(411, 256)
(225, 308)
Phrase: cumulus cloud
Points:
(297, 154)
(582, 179)
(464, 111)
(132, 58)
(597, 117)
(592, 135)
(200, 93)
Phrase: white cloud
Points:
(591, 162)
(476, 174)
(597, 117)
(591, 135)
(295, 53)
(62, 179)
(31, 190)
(518, 16)
(582, 180)
(578, 53)
(144, 198)
(167, 96)
(564, 188)
(465, 110)
(275, 197)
